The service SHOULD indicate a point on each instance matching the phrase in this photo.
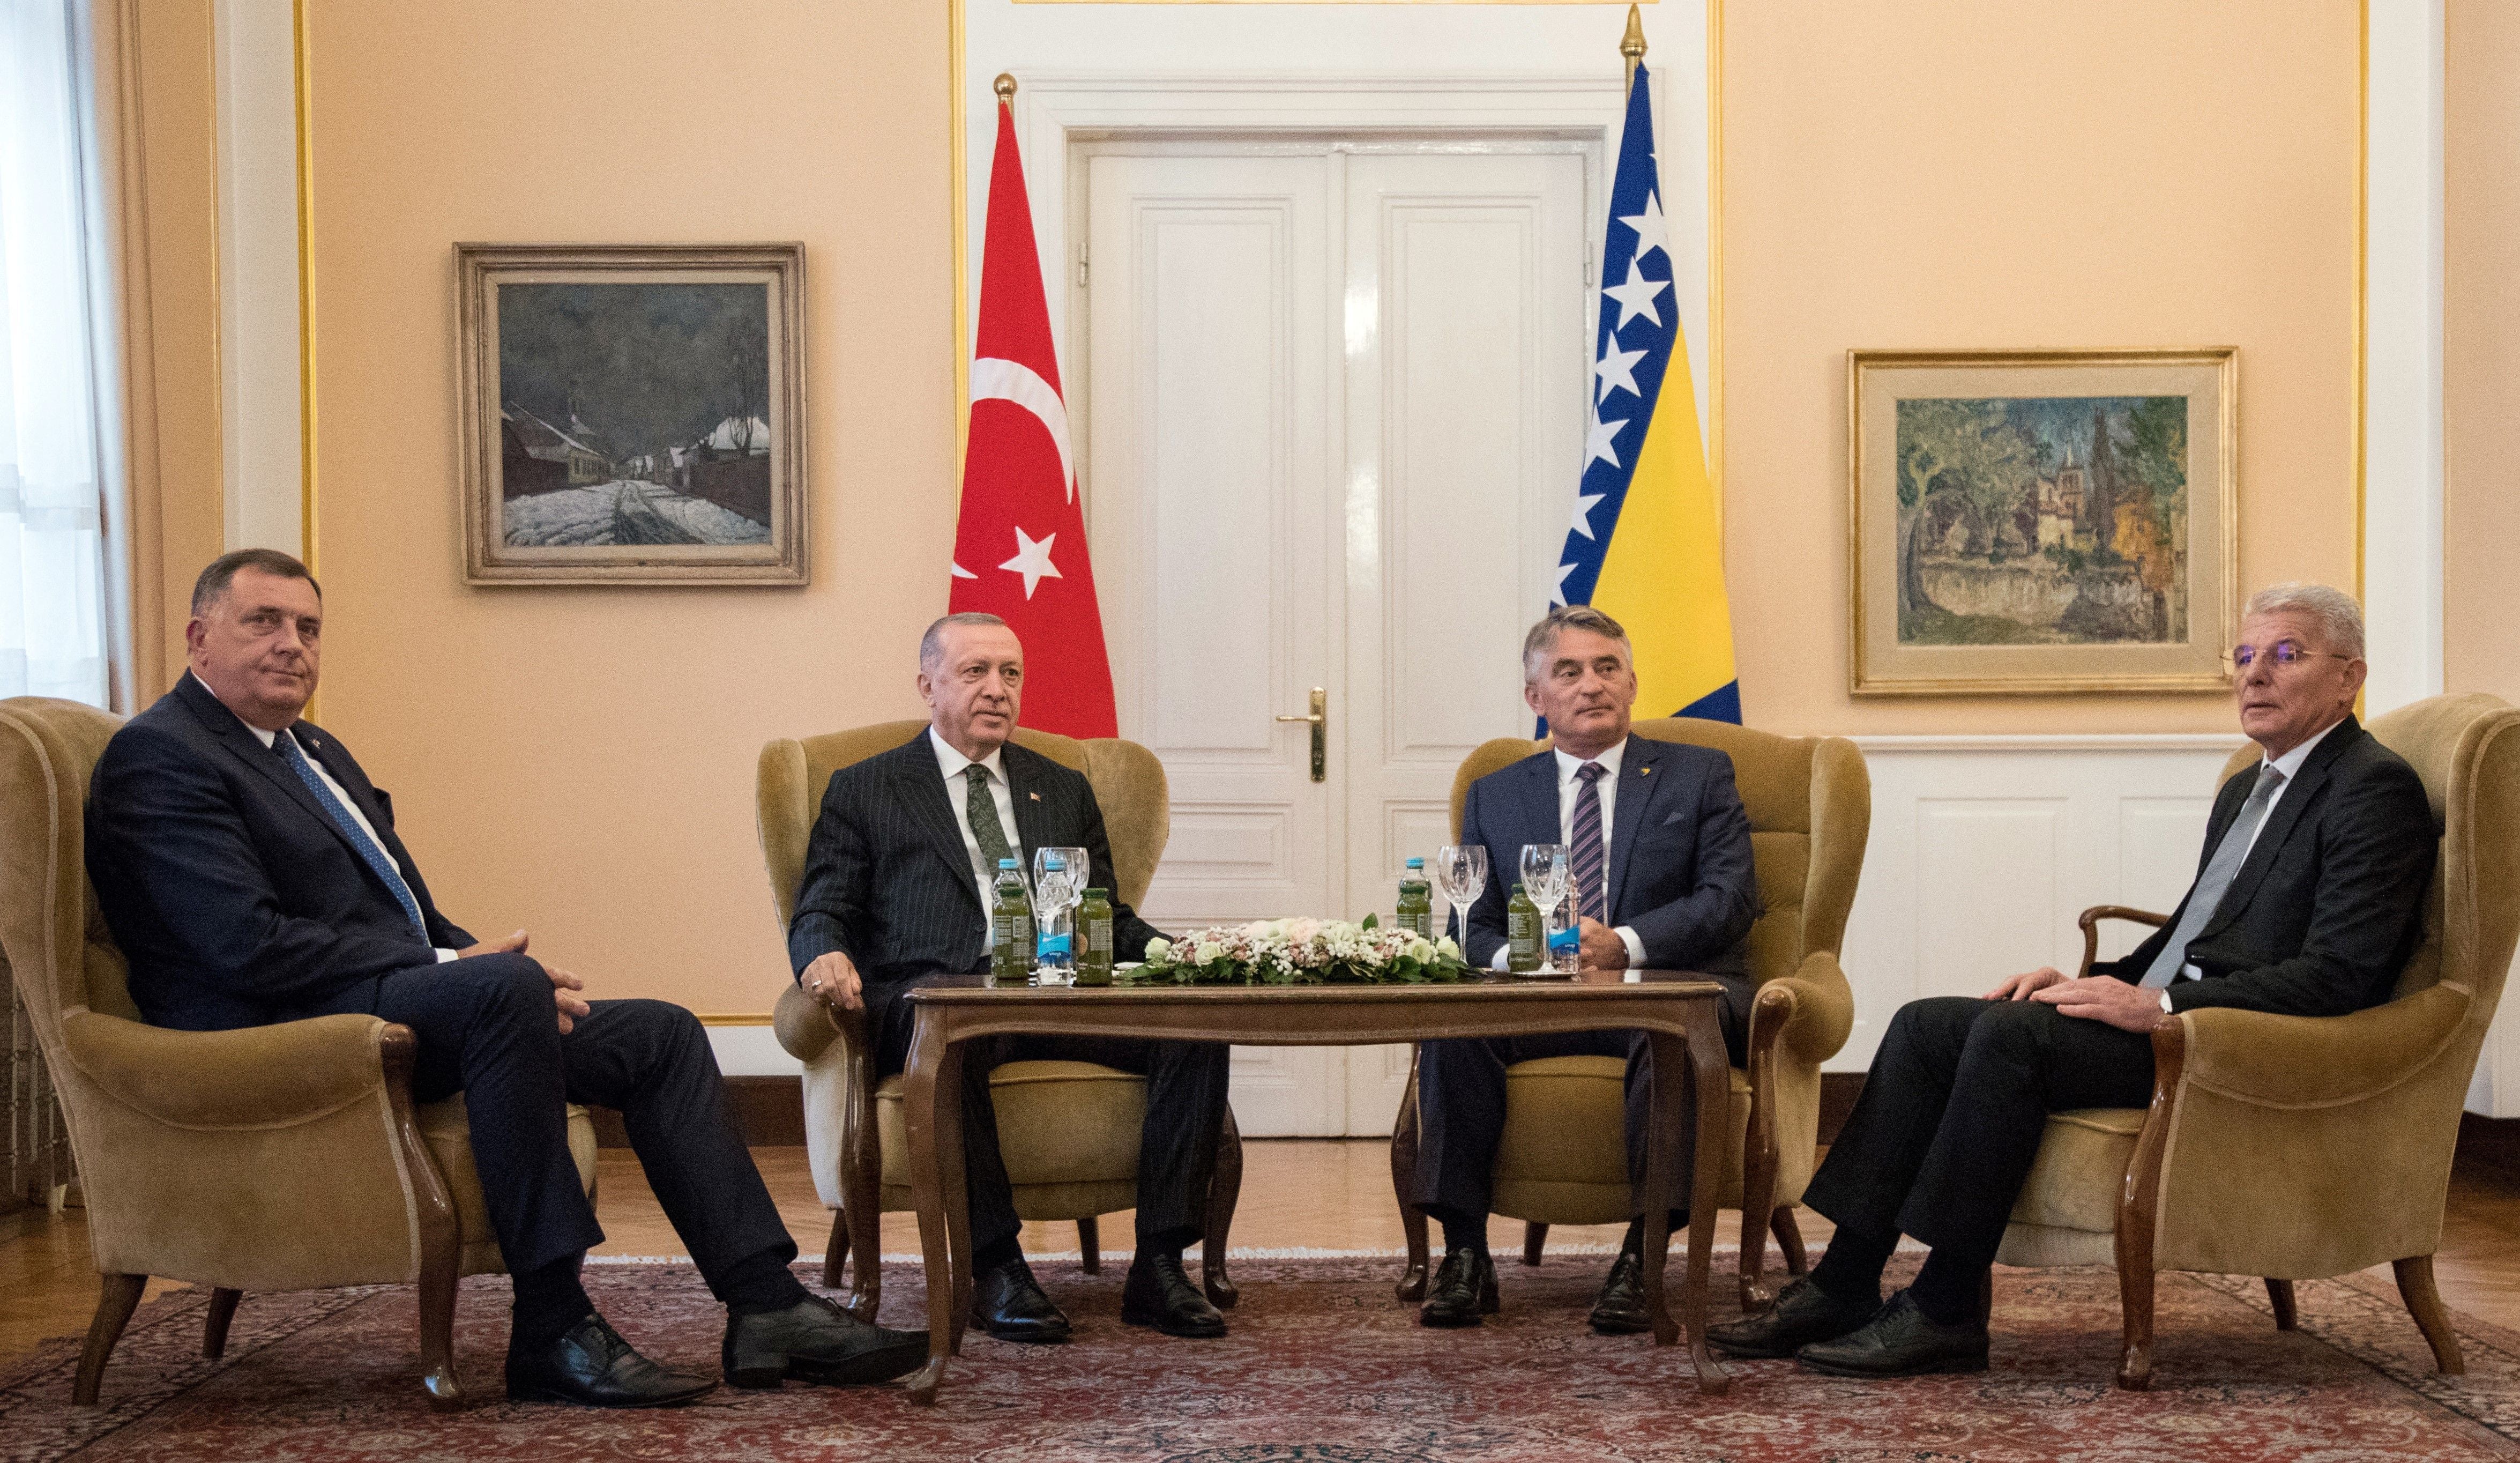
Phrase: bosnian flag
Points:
(1019, 551)
(1644, 549)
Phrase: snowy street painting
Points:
(633, 414)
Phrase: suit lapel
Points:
(2288, 812)
(1023, 791)
(242, 743)
(922, 791)
(1637, 783)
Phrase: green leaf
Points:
(1373, 922)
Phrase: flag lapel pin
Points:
(1035, 796)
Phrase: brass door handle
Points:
(1321, 722)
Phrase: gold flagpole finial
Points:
(1006, 85)
(1632, 44)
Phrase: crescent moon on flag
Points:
(995, 379)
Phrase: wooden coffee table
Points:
(1674, 1008)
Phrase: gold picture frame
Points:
(2034, 522)
(632, 414)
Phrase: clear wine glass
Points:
(1461, 875)
(1544, 879)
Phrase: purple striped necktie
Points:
(1584, 848)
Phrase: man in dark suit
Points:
(2305, 903)
(251, 874)
(896, 894)
(1658, 849)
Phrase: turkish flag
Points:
(1019, 550)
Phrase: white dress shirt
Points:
(1569, 787)
(957, 792)
(2289, 764)
(341, 793)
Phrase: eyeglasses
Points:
(2283, 653)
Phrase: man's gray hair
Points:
(2339, 617)
(932, 646)
(1539, 645)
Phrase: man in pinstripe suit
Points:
(896, 893)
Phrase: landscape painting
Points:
(2041, 521)
(631, 415)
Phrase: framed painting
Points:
(2036, 521)
(633, 413)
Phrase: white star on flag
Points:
(1617, 371)
(961, 573)
(1601, 439)
(1557, 595)
(1651, 232)
(1584, 512)
(1032, 560)
(1637, 296)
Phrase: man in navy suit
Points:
(251, 874)
(1658, 846)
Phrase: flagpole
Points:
(1633, 45)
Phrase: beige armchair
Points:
(2299, 1148)
(1561, 1159)
(1069, 1130)
(287, 1157)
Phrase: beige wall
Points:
(578, 762)
(2480, 349)
(1985, 174)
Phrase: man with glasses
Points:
(2305, 903)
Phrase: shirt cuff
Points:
(444, 954)
(2165, 1002)
(1635, 946)
(1496, 961)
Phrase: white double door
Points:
(1334, 403)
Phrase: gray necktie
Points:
(2216, 881)
(982, 810)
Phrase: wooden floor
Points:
(1323, 1193)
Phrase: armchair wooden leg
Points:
(864, 1244)
(1789, 1239)
(1534, 1236)
(2279, 1294)
(2425, 1303)
(438, 1329)
(835, 1250)
(214, 1323)
(1224, 1196)
(1089, 1245)
(1404, 1178)
(114, 1303)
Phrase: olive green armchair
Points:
(2298, 1148)
(1561, 1159)
(286, 1156)
(1069, 1130)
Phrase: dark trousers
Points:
(1460, 1105)
(1949, 1123)
(488, 1029)
(1176, 1149)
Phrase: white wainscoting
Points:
(1985, 849)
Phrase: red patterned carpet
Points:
(1322, 1367)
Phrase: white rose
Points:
(1157, 949)
(1447, 948)
(1421, 950)
(1208, 951)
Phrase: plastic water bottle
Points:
(1055, 947)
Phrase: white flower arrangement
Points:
(1302, 952)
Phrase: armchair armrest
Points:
(1807, 1015)
(258, 1077)
(2091, 923)
(806, 1027)
(2318, 1061)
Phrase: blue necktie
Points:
(286, 743)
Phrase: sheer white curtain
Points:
(52, 557)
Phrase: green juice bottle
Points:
(1416, 911)
(1011, 937)
(1524, 944)
(1093, 938)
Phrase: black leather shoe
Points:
(1803, 1314)
(1464, 1290)
(593, 1366)
(1010, 1305)
(1900, 1341)
(1159, 1295)
(815, 1340)
(1620, 1308)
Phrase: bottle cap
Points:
(1416, 863)
(1005, 863)
(1097, 893)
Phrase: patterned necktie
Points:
(1584, 860)
(2215, 882)
(986, 829)
(286, 743)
